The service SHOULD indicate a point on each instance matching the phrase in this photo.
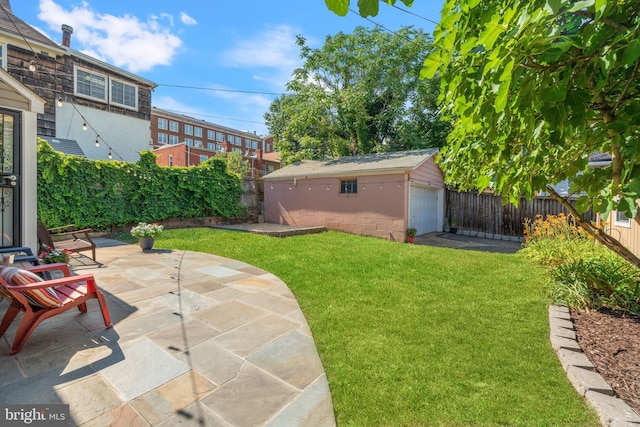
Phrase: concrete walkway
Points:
(197, 340)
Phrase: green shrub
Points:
(582, 273)
(101, 193)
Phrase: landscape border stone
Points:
(612, 411)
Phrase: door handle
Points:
(11, 178)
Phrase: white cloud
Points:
(124, 41)
(274, 50)
(186, 19)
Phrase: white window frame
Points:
(219, 136)
(211, 146)
(254, 145)
(162, 138)
(92, 73)
(211, 134)
(173, 126)
(124, 84)
(197, 131)
(163, 123)
(3, 52)
(203, 158)
(197, 143)
(621, 220)
(188, 141)
(188, 129)
(173, 139)
(170, 159)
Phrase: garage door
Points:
(423, 209)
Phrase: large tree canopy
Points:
(359, 93)
(534, 87)
(365, 7)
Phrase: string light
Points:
(60, 101)
(110, 155)
(98, 142)
(84, 126)
(32, 66)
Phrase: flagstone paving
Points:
(198, 339)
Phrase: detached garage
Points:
(377, 195)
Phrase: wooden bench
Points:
(80, 241)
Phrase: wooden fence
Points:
(485, 213)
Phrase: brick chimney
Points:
(67, 30)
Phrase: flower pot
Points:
(146, 243)
(410, 239)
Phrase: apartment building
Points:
(180, 140)
(86, 100)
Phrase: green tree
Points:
(533, 88)
(359, 93)
(366, 7)
(235, 163)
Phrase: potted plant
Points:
(52, 256)
(411, 234)
(146, 234)
(453, 229)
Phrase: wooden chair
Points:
(72, 291)
(81, 240)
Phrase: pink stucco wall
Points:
(378, 209)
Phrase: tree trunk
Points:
(607, 240)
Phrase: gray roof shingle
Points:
(353, 165)
(66, 146)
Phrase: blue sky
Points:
(227, 49)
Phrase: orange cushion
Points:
(38, 298)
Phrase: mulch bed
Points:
(611, 341)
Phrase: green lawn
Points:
(415, 335)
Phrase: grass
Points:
(415, 335)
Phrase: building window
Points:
(90, 85)
(247, 143)
(197, 132)
(349, 186)
(173, 139)
(622, 220)
(268, 148)
(188, 129)
(170, 159)
(211, 146)
(188, 141)
(3, 55)
(162, 138)
(211, 135)
(231, 139)
(124, 94)
(254, 145)
(272, 168)
(162, 123)
(173, 126)
(219, 136)
(203, 158)
(197, 143)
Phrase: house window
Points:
(254, 145)
(211, 135)
(211, 146)
(188, 141)
(268, 148)
(3, 55)
(197, 143)
(173, 126)
(90, 85)
(162, 138)
(622, 220)
(203, 157)
(170, 159)
(219, 136)
(188, 129)
(173, 139)
(349, 186)
(197, 132)
(162, 123)
(124, 94)
(230, 138)
(247, 143)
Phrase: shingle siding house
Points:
(377, 195)
(115, 104)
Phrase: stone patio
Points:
(197, 340)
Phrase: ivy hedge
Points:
(102, 193)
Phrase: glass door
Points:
(10, 178)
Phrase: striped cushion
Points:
(38, 298)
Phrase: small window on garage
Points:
(349, 186)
